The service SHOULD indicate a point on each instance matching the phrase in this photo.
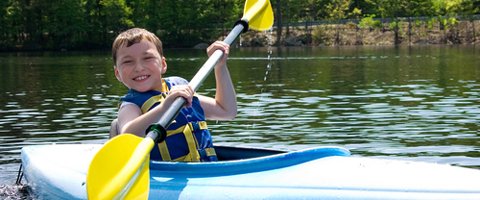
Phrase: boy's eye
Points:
(127, 62)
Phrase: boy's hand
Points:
(222, 46)
(184, 91)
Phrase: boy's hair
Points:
(133, 36)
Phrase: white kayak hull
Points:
(59, 172)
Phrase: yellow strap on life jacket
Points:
(152, 101)
(193, 155)
(155, 99)
(192, 144)
(164, 151)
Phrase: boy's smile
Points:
(141, 78)
(140, 66)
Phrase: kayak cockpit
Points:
(239, 160)
(229, 153)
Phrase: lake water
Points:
(418, 103)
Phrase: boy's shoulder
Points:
(176, 80)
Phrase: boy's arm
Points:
(131, 119)
(224, 106)
(126, 114)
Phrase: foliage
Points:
(319, 36)
(93, 24)
(369, 22)
(337, 9)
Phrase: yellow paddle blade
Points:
(258, 14)
(120, 169)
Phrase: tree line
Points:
(93, 24)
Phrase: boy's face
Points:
(140, 66)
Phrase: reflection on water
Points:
(416, 103)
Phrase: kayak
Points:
(59, 172)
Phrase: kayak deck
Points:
(59, 172)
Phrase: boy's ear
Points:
(117, 74)
(164, 65)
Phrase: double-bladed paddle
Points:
(120, 169)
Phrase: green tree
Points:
(393, 10)
(115, 16)
(185, 23)
(12, 24)
(33, 21)
(142, 11)
(362, 5)
(337, 10)
(95, 28)
(92, 24)
(469, 9)
(446, 11)
(176, 22)
(288, 11)
(64, 24)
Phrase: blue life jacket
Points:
(188, 138)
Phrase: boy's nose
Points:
(139, 66)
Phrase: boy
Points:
(139, 64)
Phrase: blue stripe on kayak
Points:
(222, 168)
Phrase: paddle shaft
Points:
(198, 79)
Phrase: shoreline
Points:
(408, 33)
(350, 34)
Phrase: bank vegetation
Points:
(93, 24)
